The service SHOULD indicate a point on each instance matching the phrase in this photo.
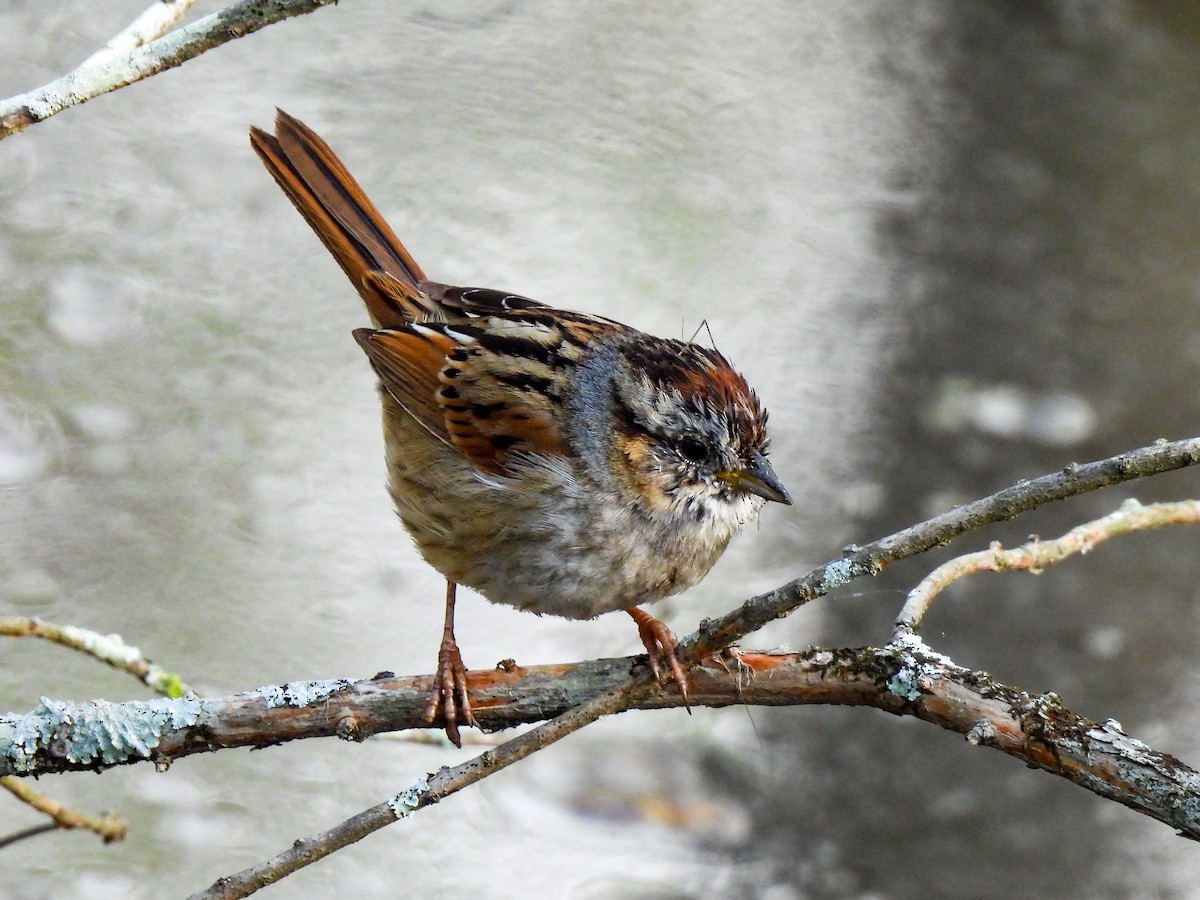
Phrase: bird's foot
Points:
(660, 643)
(450, 693)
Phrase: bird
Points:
(555, 461)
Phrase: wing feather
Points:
(490, 403)
(408, 363)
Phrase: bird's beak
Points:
(758, 478)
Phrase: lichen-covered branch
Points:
(111, 72)
(904, 678)
(94, 735)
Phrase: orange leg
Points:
(450, 682)
(660, 644)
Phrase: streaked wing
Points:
(477, 300)
(408, 364)
(491, 386)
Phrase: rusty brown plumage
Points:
(555, 461)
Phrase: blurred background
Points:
(952, 245)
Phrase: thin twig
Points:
(33, 831)
(1037, 554)
(108, 827)
(91, 80)
(110, 649)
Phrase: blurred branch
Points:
(33, 831)
(154, 22)
(109, 70)
(109, 827)
(108, 648)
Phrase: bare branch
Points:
(1037, 554)
(112, 72)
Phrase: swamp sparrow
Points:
(555, 461)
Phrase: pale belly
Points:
(553, 553)
(540, 541)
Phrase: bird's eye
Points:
(692, 449)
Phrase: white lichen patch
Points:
(840, 572)
(96, 732)
(109, 647)
(408, 801)
(918, 664)
(1111, 733)
(912, 643)
(303, 693)
(904, 683)
(981, 733)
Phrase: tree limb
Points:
(1037, 554)
(903, 678)
(93, 78)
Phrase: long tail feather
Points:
(345, 220)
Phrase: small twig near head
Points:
(870, 559)
(1037, 554)
(703, 326)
